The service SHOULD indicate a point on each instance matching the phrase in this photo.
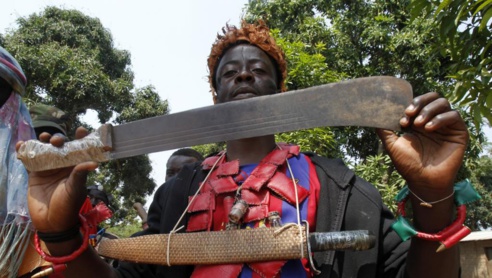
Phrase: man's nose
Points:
(244, 76)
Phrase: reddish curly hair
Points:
(253, 34)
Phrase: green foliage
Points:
(465, 33)
(379, 171)
(317, 140)
(123, 230)
(306, 64)
(478, 213)
(208, 149)
(71, 63)
(145, 103)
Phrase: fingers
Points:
(18, 145)
(431, 112)
(78, 177)
(81, 132)
(57, 139)
(44, 137)
(387, 137)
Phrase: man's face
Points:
(97, 196)
(175, 163)
(245, 71)
(5, 91)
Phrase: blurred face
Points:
(97, 196)
(245, 71)
(176, 163)
(5, 91)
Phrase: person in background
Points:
(97, 194)
(179, 158)
(49, 119)
(174, 164)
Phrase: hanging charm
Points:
(274, 219)
(237, 212)
(425, 204)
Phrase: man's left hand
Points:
(431, 150)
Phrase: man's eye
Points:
(258, 70)
(229, 73)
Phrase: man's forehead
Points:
(241, 52)
(97, 193)
(180, 159)
(242, 49)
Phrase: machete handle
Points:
(357, 240)
(38, 156)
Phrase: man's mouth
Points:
(244, 92)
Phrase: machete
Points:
(369, 102)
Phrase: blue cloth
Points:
(15, 125)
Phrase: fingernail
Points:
(411, 107)
(419, 118)
(429, 124)
(403, 121)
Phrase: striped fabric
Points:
(11, 71)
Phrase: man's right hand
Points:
(55, 196)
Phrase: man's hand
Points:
(430, 152)
(55, 196)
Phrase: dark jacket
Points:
(346, 202)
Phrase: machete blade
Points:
(368, 102)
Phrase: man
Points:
(247, 63)
(49, 119)
(174, 164)
(97, 195)
(179, 158)
(15, 125)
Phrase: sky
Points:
(169, 42)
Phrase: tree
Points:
(478, 213)
(71, 63)
(465, 32)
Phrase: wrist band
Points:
(449, 236)
(61, 236)
(429, 204)
(65, 259)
